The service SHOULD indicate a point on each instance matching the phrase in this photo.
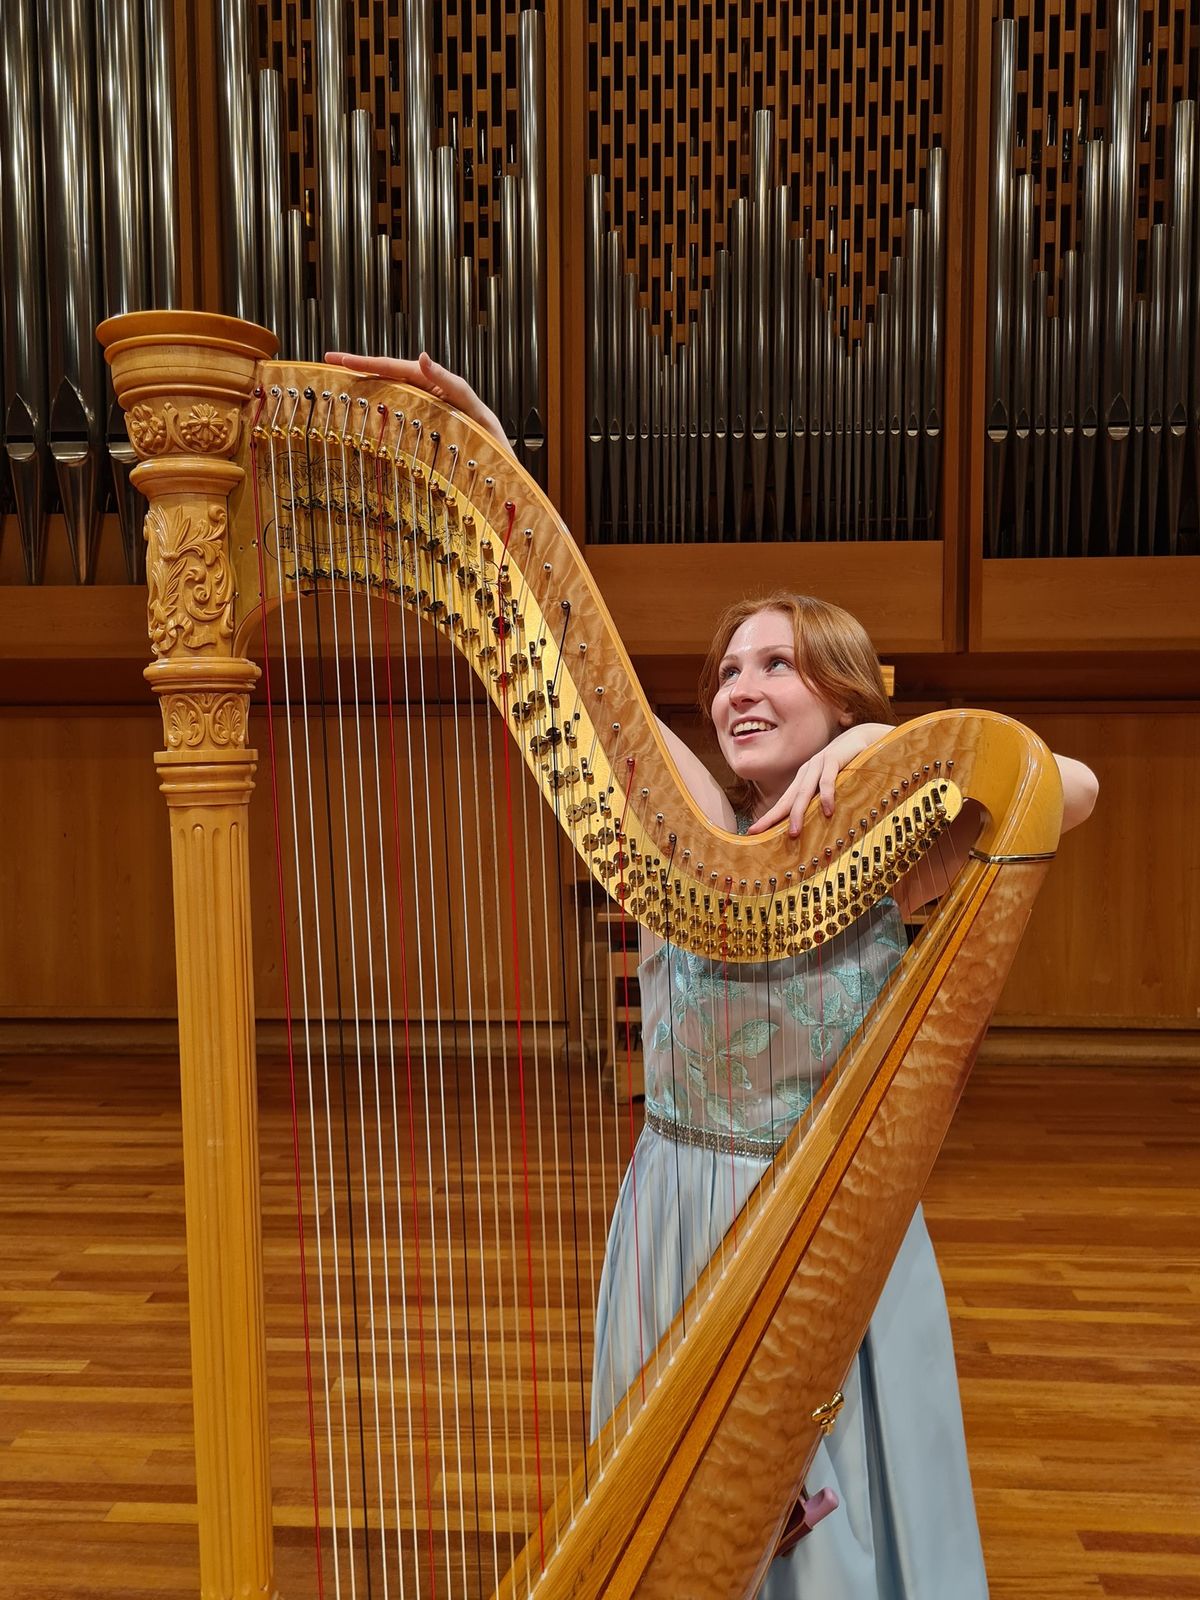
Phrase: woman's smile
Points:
(768, 718)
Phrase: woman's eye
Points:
(779, 661)
(726, 673)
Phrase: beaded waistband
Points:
(737, 1144)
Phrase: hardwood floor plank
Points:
(1065, 1209)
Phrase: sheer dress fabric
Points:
(733, 1055)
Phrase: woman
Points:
(794, 691)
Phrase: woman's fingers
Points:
(829, 771)
(425, 373)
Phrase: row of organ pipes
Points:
(89, 228)
(1092, 388)
(488, 326)
(764, 417)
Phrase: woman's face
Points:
(768, 720)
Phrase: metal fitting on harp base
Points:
(825, 1416)
(999, 861)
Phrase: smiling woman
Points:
(795, 692)
(784, 676)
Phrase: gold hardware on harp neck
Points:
(826, 1415)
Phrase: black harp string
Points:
(351, 450)
(291, 432)
(326, 772)
(554, 733)
(388, 981)
(429, 878)
(434, 561)
(258, 435)
(640, 799)
(603, 1014)
(476, 600)
(365, 521)
(340, 519)
(668, 951)
(495, 621)
(520, 633)
(472, 643)
(423, 1045)
(618, 1172)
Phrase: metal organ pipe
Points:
(293, 333)
(23, 285)
(594, 342)
(237, 146)
(418, 195)
(998, 419)
(270, 165)
(122, 147)
(531, 50)
(1120, 247)
(781, 318)
(1179, 308)
(162, 185)
(445, 347)
(76, 374)
(931, 406)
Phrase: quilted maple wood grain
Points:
(752, 1470)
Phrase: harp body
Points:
(404, 501)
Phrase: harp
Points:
(279, 492)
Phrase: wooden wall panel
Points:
(1114, 940)
(87, 928)
(1115, 934)
(86, 924)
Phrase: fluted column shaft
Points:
(183, 380)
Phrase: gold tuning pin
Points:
(825, 1416)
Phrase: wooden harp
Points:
(275, 487)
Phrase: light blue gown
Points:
(742, 1051)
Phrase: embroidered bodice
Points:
(742, 1049)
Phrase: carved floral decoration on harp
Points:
(192, 721)
(204, 431)
(190, 580)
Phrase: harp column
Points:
(183, 387)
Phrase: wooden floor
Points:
(1066, 1213)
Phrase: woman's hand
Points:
(425, 373)
(817, 776)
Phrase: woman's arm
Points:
(941, 866)
(425, 373)
(699, 781)
(1080, 790)
(817, 776)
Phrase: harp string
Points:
(481, 878)
(285, 964)
(367, 935)
(385, 948)
(402, 964)
(341, 925)
(358, 908)
(309, 814)
(423, 871)
(532, 649)
(471, 1059)
(551, 723)
(449, 875)
(503, 632)
(385, 879)
(307, 503)
(491, 592)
